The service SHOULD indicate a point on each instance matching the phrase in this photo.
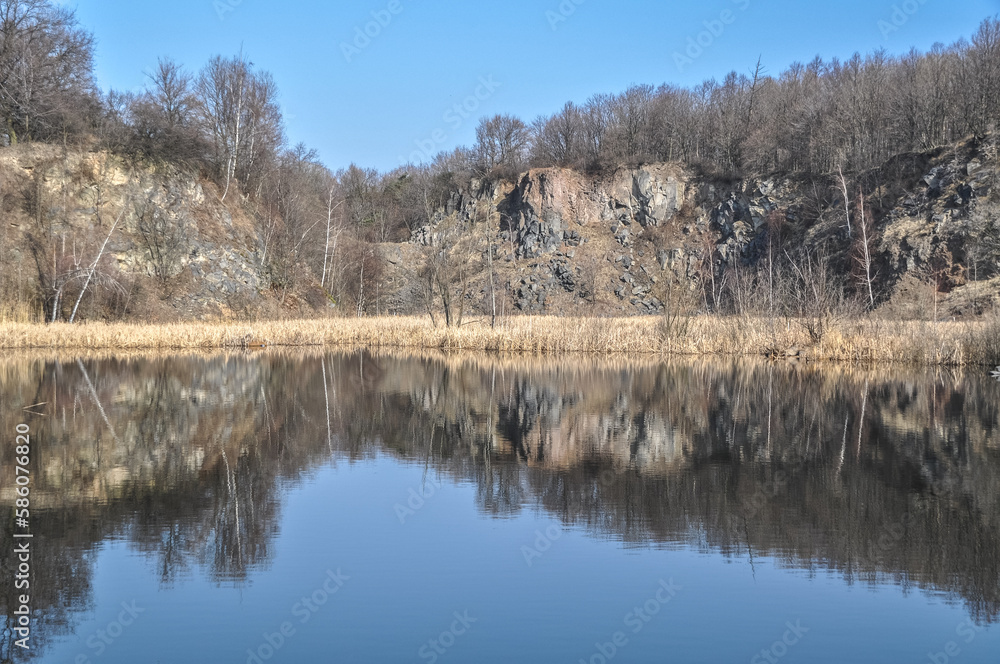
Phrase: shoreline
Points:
(868, 340)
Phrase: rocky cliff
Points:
(632, 241)
(636, 240)
(175, 249)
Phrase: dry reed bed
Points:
(486, 362)
(867, 340)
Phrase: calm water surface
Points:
(356, 508)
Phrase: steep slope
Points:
(639, 240)
(177, 251)
(636, 240)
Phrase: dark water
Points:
(352, 508)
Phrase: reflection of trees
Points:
(880, 479)
(60, 579)
(183, 461)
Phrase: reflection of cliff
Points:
(875, 477)
(879, 478)
(167, 454)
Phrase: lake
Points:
(358, 507)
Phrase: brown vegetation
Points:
(864, 341)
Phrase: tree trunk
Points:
(93, 268)
(847, 201)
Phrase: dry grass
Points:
(18, 312)
(863, 341)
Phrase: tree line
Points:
(812, 118)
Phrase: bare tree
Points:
(449, 266)
(670, 131)
(92, 272)
(164, 239)
(847, 201)
(502, 142)
(983, 59)
(817, 295)
(332, 232)
(863, 249)
(559, 139)
(239, 111)
(46, 63)
(630, 115)
(173, 93)
(596, 123)
(298, 205)
(163, 120)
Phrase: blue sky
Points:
(393, 97)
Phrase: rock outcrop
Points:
(635, 240)
(545, 206)
(629, 241)
(178, 251)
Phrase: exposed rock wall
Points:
(628, 241)
(543, 209)
(177, 252)
(631, 241)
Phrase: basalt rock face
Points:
(631, 241)
(628, 241)
(543, 209)
(944, 229)
(619, 243)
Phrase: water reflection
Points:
(882, 477)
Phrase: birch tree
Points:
(92, 272)
(863, 250)
(239, 112)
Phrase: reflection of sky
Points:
(407, 581)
